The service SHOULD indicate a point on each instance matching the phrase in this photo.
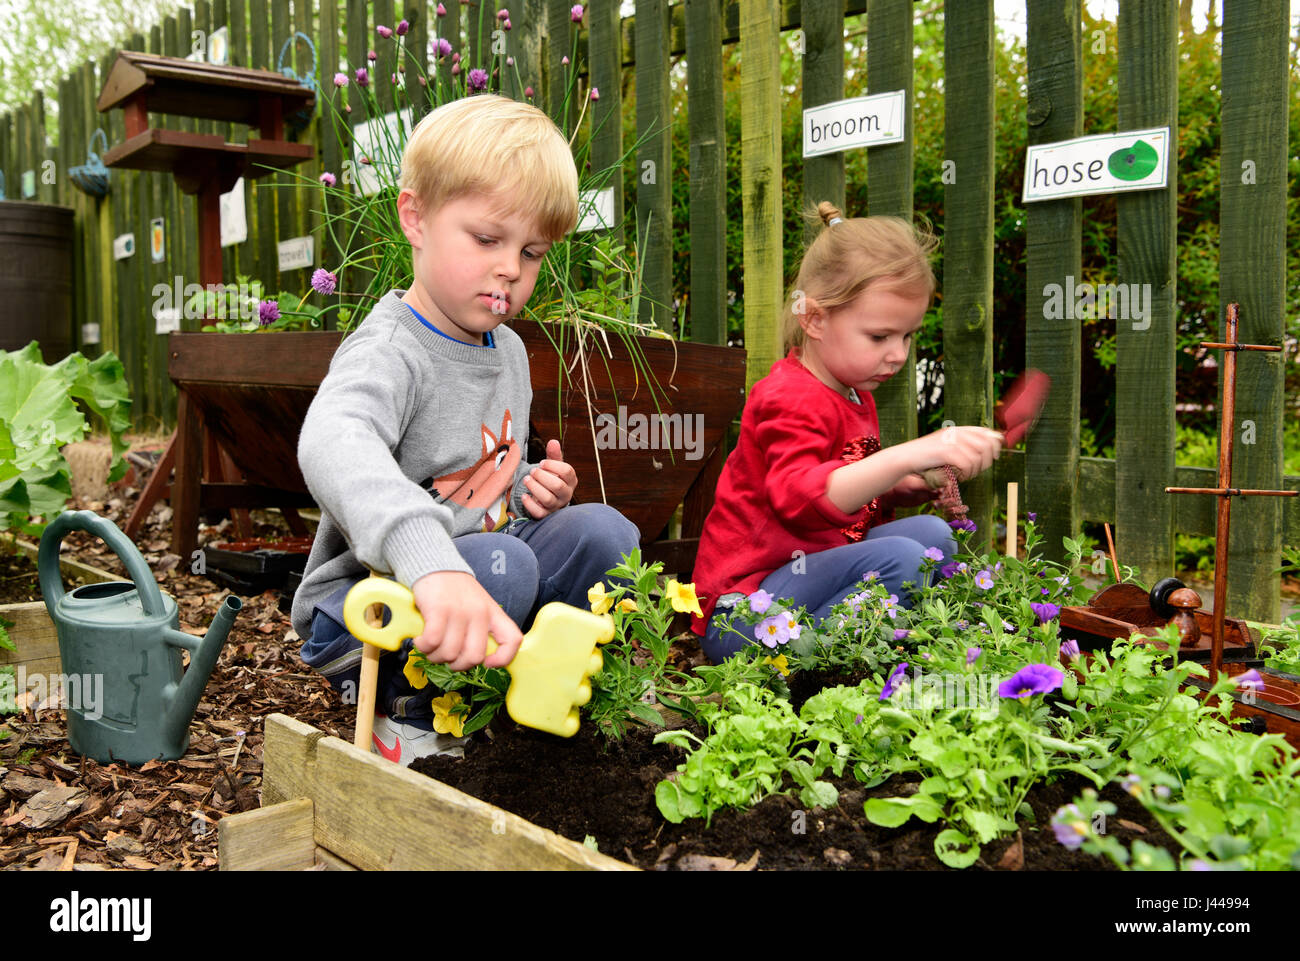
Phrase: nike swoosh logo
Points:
(393, 753)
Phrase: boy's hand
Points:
(550, 484)
(458, 616)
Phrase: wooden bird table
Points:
(207, 166)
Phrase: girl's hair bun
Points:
(829, 213)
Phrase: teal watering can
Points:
(129, 698)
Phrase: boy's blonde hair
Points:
(849, 255)
(496, 146)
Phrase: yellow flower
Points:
(444, 721)
(627, 605)
(683, 598)
(414, 672)
(780, 663)
(600, 601)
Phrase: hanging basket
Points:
(92, 176)
(299, 121)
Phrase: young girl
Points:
(805, 503)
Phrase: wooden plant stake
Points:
(1114, 559)
(1225, 491)
(1013, 516)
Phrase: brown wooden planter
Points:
(252, 392)
(325, 801)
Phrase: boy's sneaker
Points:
(403, 741)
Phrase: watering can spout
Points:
(203, 658)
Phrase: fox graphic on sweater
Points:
(488, 483)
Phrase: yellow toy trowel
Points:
(548, 676)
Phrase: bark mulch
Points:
(58, 811)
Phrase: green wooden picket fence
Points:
(1063, 487)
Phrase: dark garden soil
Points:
(588, 786)
(18, 581)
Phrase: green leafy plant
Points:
(39, 414)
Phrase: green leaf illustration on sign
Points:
(1135, 162)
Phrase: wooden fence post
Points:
(1146, 347)
(1252, 272)
(1053, 245)
(654, 198)
(969, 119)
(707, 297)
(761, 187)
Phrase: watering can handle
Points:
(47, 560)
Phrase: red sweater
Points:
(771, 498)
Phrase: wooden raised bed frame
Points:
(325, 801)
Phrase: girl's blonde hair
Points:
(848, 255)
(492, 145)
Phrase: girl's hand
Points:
(911, 491)
(970, 450)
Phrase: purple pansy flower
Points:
(984, 580)
(901, 633)
(949, 569)
(1032, 516)
(1046, 611)
(965, 524)
(792, 627)
(933, 554)
(1070, 648)
(478, 79)
(268, 311)
(893, 681)
(760, 601)
(1031, 679)
(891, 606)
(858, 719)
(772, 631)
(973, 654)
(1069, 827)
(1250, 681)
(323, 282)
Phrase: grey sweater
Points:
(411, 440)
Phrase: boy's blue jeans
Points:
(820, 581)
(523, 566)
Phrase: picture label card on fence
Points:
(166, 320)
(234, 221)
(90, 333)
(377, 150)
(295, 253)
(123, 246)
(1101, 164)
(157, 241)
(219, 46)
(860, 122)
(596, 210)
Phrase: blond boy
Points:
(414, 445)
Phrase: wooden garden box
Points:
(252, 392)
(325, 801)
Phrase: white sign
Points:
(90, 333)
(596, 210)
(234, 221)
(166, 319)
(1102, 164)
(29, 184)
(219, 46)
(123, 246)
(295, 253)
(860, 122)
(380, 141)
